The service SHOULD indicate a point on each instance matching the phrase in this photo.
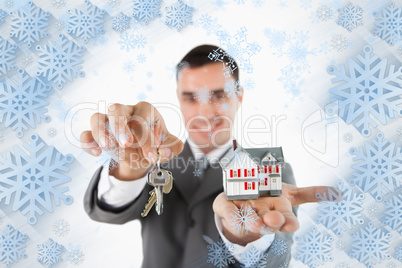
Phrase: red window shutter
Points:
(253, 185)
(266, 181)
(239, 172)
(265, 168)
(253, 172)
(277, 168)
(245, 186)
(270, 169)
(231, 173)
(258, 169)
(245, 172)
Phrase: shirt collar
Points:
(213, 156)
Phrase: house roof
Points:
(256, 154)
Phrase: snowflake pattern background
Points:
(86, 21)
(29, 24)
(23, 102)
(388, 24)
(61, 60)
(34, 178)
(50, 253)
(12, 245)
(368, 91)
(219, 255)
(370, 245)
(343, 215)
(378, 167)
(314, 248)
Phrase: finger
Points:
(170, 147)
(89, 144)
(290, 224)
(101, 133)
(118, 116)
(311, 194)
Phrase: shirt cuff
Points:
(262, 244)
(118, 193)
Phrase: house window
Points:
(235, 174)
(265, 168)
(249, 173)
(273, 180)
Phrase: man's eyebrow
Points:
(212, 92)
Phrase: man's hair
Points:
(198, 57)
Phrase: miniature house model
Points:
(250, 173)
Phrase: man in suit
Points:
(196, 210)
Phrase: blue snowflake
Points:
(29, 24)
(22, 102)
(297, 50)
(142, 96)
(141, 58)
(291, 78)
(58, 3)
(219, 255)
(34, 178)
(253, 258)
(237, 48)
(232, 89)
(313, 248)
(277, 39)
(12, 245)
(61, 227)
(150, 123)
(369, 89)
(146, 10)
(60, 60)
(209, 24)
(240, 2)
(378, 168)
(179, 15)
(350, 17)
(130, 41)
(129, 66)
(50, 253)
(278, 247)
(220, 4)
(203, 95)
(342, 215)
(197, 172)
(388, 24)
(370, 245)
(244, 219)
(3, 15)
(339, 42)
(393, 213)
(121, 22)
(398, 253)
(75, 256)
(306, 4)
(86, 21)
(325, 13)
(7, 56)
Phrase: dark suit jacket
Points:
(176, 236)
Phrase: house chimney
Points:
(234, 145)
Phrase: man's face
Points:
(208, 110)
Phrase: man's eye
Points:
(189, 99)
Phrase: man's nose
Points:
(209, 110)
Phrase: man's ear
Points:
(240, 95)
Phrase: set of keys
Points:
(162, 181)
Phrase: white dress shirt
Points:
(117, 193)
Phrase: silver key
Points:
(163, 182)
(152, 198)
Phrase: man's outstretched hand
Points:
(272, 214)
